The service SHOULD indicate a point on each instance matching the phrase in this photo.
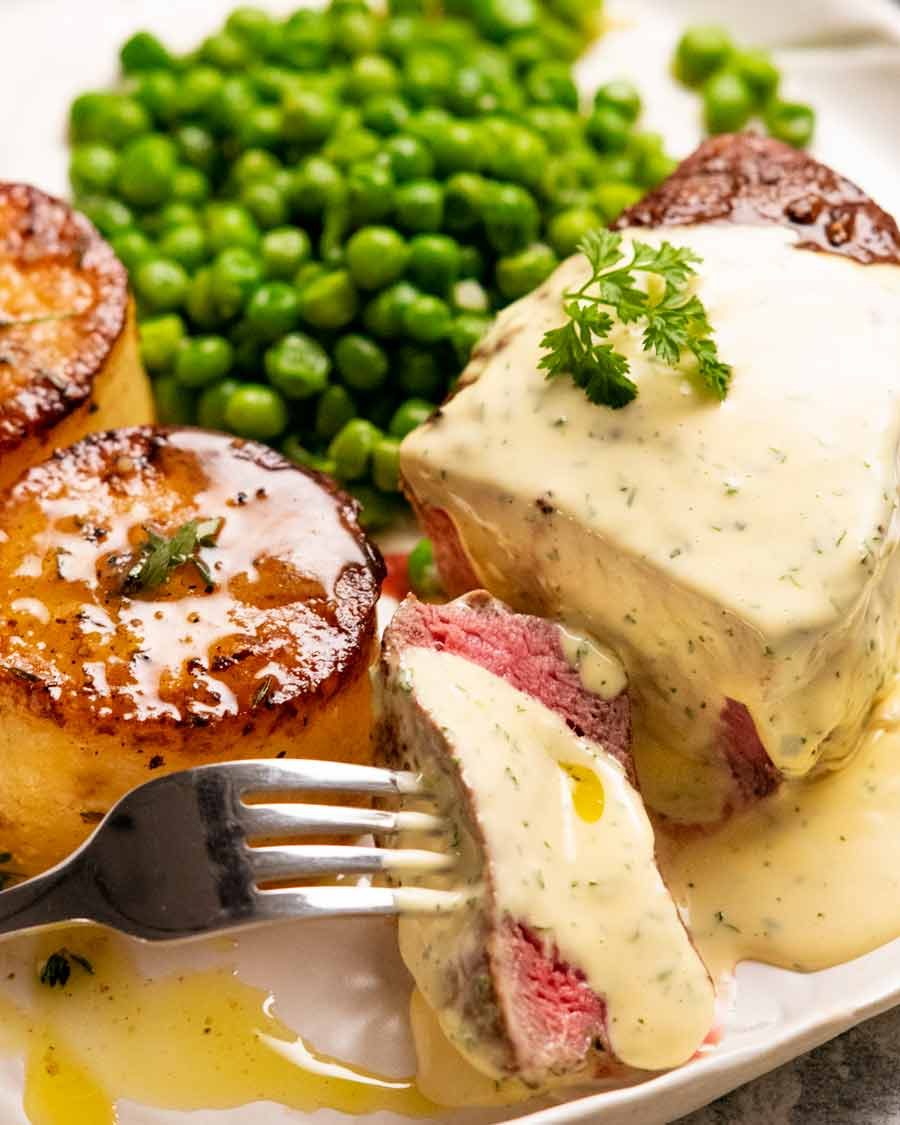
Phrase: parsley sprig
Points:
(158, 556)
(674, 320)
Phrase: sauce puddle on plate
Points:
(202, 1040)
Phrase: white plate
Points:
(842, 55)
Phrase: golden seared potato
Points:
(69, 360)
(170, 598)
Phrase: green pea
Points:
(511, 217)
(185, 245)
(612, 199)
(560, 128)
(351, 448)
(701, 51)
(161, 284)
(308, 272)
(110, 216)
(792, 122)
(356, 33)
(434, 261)
(317, 183)
(334, 410)
(213, 402)
(93, 167)
(200, 302)
(190, 185)
(297, 366)
(198, 89)
(284, 250)
(203, 359)
(383, 316)
(399, 33)
(306, 40)
(467, 331)
(551, 83)
(236, 272)
(351, 147)
(273, 310)
(376, 256)
(727, 102)
(385, 114)
(419, 205)
(427, 319)
(458, 147)
(234, 101)
(516, 153)
(160, 336)
(518, 274)
(261, 127)
(567, 228)
(424, 579)
(470, 296)
(196, 146)
(408, 416)
(526, 49)
(471, 262)
(655, 167)
(621, 96)
(256, 411)
(175, 404)
(255, 26)
(113, 119)
(143, 51)
(225, 51)
(419, 373)
(146, 170)
(361, 362)
(648, 155)
(570, 176)
(309, 115)
(500, 19)
(370, 192)
(265, 203)
(409, 157)
(172, 215)
(371, 75)
(329, 301)
(230, 225)
(464, 196)
(608, 129)
(427, 75)
(470, 93)
(132, 247)
(756, 68)
(386, 464)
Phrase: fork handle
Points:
(58, 895)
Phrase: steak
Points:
(467, 496)
(502, 973)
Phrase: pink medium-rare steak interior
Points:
(527, 652)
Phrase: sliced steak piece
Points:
(529, 490)
(569, 958)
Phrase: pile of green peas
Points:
(739, 85)
(321, 214)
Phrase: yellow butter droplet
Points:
(587, 792)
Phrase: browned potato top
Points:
(287, 614)
(63, 300)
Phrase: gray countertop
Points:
(853, 1080)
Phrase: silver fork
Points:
(175, 858)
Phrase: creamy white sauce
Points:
(742, 549)
(567, 849)
(601, 671)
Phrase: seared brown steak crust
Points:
(746, 178)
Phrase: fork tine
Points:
(268, 774)
(307, 861)
(324, 902)
(273, 820)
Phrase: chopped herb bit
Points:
(21, 673)
(262, 692)
(57, 969)
(158, 556)
(675, 321)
